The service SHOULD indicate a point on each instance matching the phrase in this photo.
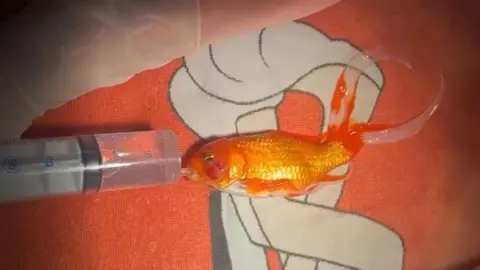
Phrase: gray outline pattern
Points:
(212, 59)
(214, 198)
(220, 256)
(260, 47)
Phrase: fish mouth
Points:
(194, 176)
(190, 174)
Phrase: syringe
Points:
(87, 163)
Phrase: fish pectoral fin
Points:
(256, 186)
(307, 191)
(317, 185)
(224, 184)
(331, 176)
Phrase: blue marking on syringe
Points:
(72, 148)
(11, 165)
(44, 177)
(49, 162)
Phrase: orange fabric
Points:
(158, 228)
(167, 227)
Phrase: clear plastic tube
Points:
(409, 128)
(87, 163)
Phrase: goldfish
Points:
(275, 162)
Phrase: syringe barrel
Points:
(87, 163)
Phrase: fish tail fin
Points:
(340, 125)
(343, 103)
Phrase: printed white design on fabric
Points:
(235, 86)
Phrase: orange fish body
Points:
(278, 162)
(281, 162)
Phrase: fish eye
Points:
(208, 156)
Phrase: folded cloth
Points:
(55, 51)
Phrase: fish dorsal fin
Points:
(295, 136)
